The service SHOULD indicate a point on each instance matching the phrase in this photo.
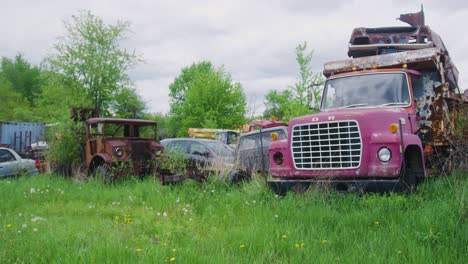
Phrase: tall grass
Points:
(48, 219)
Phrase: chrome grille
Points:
(326, 145)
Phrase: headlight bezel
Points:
(119, 152)
(384, 154)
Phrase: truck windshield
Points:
(367, 90)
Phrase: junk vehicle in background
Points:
(385, 115)
(227, 136)
(201, 156)
(252, 149)
(117, 147)
(11, 164)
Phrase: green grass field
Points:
(48, 219)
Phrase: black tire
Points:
(103, 173)
(237, 177)
(408, 180)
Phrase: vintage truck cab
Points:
(383, 113)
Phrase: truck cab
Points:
(382, 114)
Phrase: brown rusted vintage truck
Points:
(389, 114)
(117, 147)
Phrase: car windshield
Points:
(220, 148)
(367, 90)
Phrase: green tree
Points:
(23, 77)
(206, 97)
(295, 100)
(14, 107)
(89, 58)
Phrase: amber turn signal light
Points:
(393, 128)
(274, 136)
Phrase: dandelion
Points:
(8, 226)
(242, 246)
(164, 244)
(158, 214)
(172, 259)
(324, 241)
(174, 250)
(36, 218)
(139, 250)
(302, 244)
(296, 245)
(284, 236)
(376, 223)
(34, 229)
(164, 214)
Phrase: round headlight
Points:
(278, 158)
(384, 154)
(118, 151)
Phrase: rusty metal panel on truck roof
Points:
(412, 57)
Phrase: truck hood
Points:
(376, 116)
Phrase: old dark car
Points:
(252, 149)
(11, 164)
(116, 147)
(203, 156)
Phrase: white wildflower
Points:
(165, 214)
(34, 229)
(32, 190)
(36, 218)
(158, 214)
(276, 216)
(24, 225)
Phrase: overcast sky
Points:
(254, 40)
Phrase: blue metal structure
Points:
(20, 135)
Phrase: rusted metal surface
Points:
(414, 58)
(117, 144)
(265, 124)
(120, 121)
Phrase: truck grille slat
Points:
(327, 145)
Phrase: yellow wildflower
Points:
(296, 245)
(172, 259)
(324, 241)
(302, 244)
(242, 246)
(139, 250)
(9, 225)
(376, 223)
(284, 236)
(174, 250)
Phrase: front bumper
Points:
(282, 186)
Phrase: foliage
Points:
(205, 97)
(24, 78)
(66, 146)
(13, 106)
(89, 58)
(295, 100)
(44, 217)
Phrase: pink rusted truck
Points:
(384, 114)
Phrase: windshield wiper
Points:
(353, 105)
(394, 104)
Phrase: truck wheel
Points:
(237, 177)
(409, 181)
(103, 173)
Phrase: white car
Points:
(11, 164)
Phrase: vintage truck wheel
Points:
(103, 173)
(412, 170)
(238, 176)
